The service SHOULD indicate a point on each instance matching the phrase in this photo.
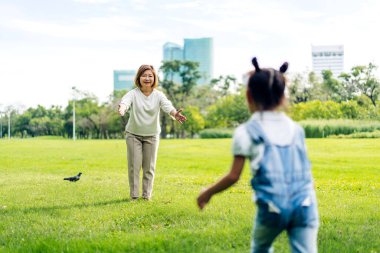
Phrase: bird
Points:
(73, 179)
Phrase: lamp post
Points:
(1, 121)
(74, 90)
(1, 125)
(9, 124)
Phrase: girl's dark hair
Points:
(267, 86)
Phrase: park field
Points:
(40, 212)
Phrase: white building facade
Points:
(328, 58)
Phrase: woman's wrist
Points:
(173, 113)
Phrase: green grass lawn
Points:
(39, 212)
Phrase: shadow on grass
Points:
(63, 207)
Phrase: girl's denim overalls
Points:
(285, 195)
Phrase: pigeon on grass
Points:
(73, 179)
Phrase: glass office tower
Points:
(173, 51)
(198, 50)
(201, 51)
(123, 79)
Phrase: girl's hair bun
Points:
(255, 64)
(284, 67)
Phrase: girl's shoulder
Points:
(299, 129)
(295, 130)
(240, 131)
(241, 142)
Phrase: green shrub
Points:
(324, 128)
(49, 137)
(332, 110)
(316, 110)
(216, 133)
(361, 135)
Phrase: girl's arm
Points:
(228, 180)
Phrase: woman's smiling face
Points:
(147, 79)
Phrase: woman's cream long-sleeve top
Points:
(144, 115)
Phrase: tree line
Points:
(215, 105)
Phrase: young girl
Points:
(282, 181)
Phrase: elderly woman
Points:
(143, 128)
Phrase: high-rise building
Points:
(201, 51)
(172, 52)
(123, 79)
(328, 58)
(197, 50)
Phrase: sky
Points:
(49, 46)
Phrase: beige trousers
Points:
(141, 152)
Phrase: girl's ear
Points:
(248, 96)
(251, 103)
(284, 67)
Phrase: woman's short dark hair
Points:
(267, 86)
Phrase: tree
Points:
(195, 121)
(298, 89)
(304, 87)
(111, 124)
(229, 111)
(40, 121)
(190, 75)
(10, 112)
(335, 90)
(316, 91)
(170, 84)
(223, 84)
(361, 80)
(203, 96)
(178, 91)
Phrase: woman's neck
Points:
(146, 90)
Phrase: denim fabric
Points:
(285, 195)
(301, 239)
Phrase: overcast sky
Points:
(46, 47)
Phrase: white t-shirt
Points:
(144, 115)
(278, 128)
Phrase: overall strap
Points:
(256, 132)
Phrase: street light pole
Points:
(74, 137)
(9, 125)
(1, 125)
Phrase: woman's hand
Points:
(122, 109)
(179, 116)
